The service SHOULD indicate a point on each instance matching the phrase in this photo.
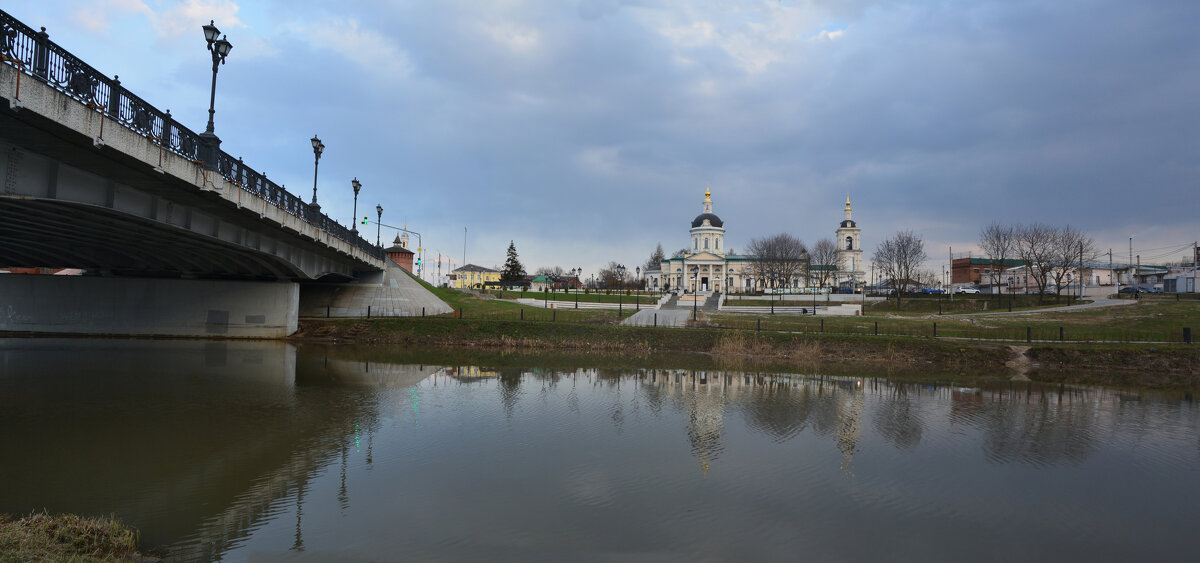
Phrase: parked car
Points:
(933, 291)
(967, 290)
(1129, 289)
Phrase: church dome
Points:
(712, 220)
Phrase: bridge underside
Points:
(50, 233)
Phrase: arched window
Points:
(849, 243)
(718, 244)
(695, 244)
(705, 243)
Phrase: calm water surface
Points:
(267, 451)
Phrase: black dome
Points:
(712, 219)
(848, 223)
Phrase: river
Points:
(271, 451)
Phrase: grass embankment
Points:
(67, 537)
(644, 341)
(471, 306)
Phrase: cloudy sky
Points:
(587, 130)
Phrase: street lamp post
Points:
(210, 144)
(318, 148)
(695, 273)
(354, 215)
(378, 218)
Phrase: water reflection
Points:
(223, 450)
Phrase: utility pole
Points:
(1080, 271)
(951, 279)
(1112, 275)
(1133, 273)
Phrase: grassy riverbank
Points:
(67, 537)
(1170, 366)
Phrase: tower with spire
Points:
(849, 255)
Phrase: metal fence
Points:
(32, 53)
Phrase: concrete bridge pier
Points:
(125, 306)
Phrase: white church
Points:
(706, 267)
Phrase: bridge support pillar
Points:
(47, 304)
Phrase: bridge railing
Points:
(35, 55)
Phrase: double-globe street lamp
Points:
(318, 148)
(210, 144)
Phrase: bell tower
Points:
(849, 255)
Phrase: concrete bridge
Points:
(178, 237)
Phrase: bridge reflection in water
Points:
(226, 449)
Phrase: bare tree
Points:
(655, 260)
(680, 253)
(1071, 248)
(824, 261)
(549, 271)
(1035, 247)
(899, 259)
(778, 259)
(999, 242)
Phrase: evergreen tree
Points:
(513, 270)
(656, 259)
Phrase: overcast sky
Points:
(586, 130)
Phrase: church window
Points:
(706, 243)
(718, 244)
(849, 243)
(695, 244)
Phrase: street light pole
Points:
(318, 148)
(378, 218)
(354, 215)
(220, 49)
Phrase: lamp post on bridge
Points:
(354, 216)
(210, 144)
(318, 148)
(378, 218)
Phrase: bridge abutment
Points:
(124, 306)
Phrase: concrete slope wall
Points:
(392, 293)
(147, 306)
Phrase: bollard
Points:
(656, 320)
(876, 328)
(1028, 334)
(1187, 335)
(327, 311)
(368, 311)
(935, 330)
(1060, 334)
(522, 314)
(822, 325)
(553, 315)
(422, 312)
(772, 307)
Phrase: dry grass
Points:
(66, 537)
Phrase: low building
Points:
(977, 271)
(473, 277)
(1181, 280)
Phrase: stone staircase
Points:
(672, 303)
(712, 303)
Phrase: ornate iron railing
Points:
(32, 53)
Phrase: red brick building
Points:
(400, 255)
(973, 270)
